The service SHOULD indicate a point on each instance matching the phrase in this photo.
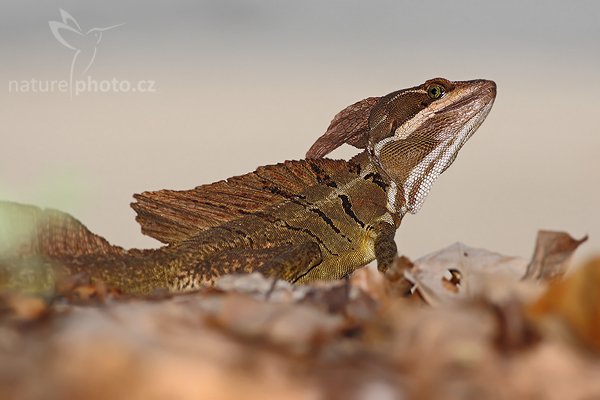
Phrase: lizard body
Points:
(300, 220)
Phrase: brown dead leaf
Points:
(333, 299)
(514, 330)
(252, 337)
(22, 307)
(383, 287)
(396, 283)
(369, 280)
(552, 254)
(571, 307)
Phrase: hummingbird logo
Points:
(85, 45)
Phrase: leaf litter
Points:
(459, 323)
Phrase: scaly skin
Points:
(300, 221)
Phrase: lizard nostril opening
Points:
(492, 87)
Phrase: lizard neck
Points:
(367, 168)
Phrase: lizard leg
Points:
(283, 262)
(385, 246)
(294, 262)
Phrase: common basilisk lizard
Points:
(299, 220)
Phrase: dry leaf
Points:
(258, 338)
(572, 306)
(294, 326)
(553, 251)
(22, 308)
(514, 330)
(459, 272)
(260, 287)
(396, 283)
(370, 281)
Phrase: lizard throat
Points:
(421, 178)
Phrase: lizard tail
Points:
(29, 231)
(34, 241)
(40, 246)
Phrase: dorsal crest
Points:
(175, 215)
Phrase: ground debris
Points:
(459, 323)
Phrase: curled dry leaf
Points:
(553, 251)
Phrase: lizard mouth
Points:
(482, 94)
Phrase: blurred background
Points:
(231, 85)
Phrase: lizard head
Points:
(416, 133)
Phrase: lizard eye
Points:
(435, 91)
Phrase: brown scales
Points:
(172, 216)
